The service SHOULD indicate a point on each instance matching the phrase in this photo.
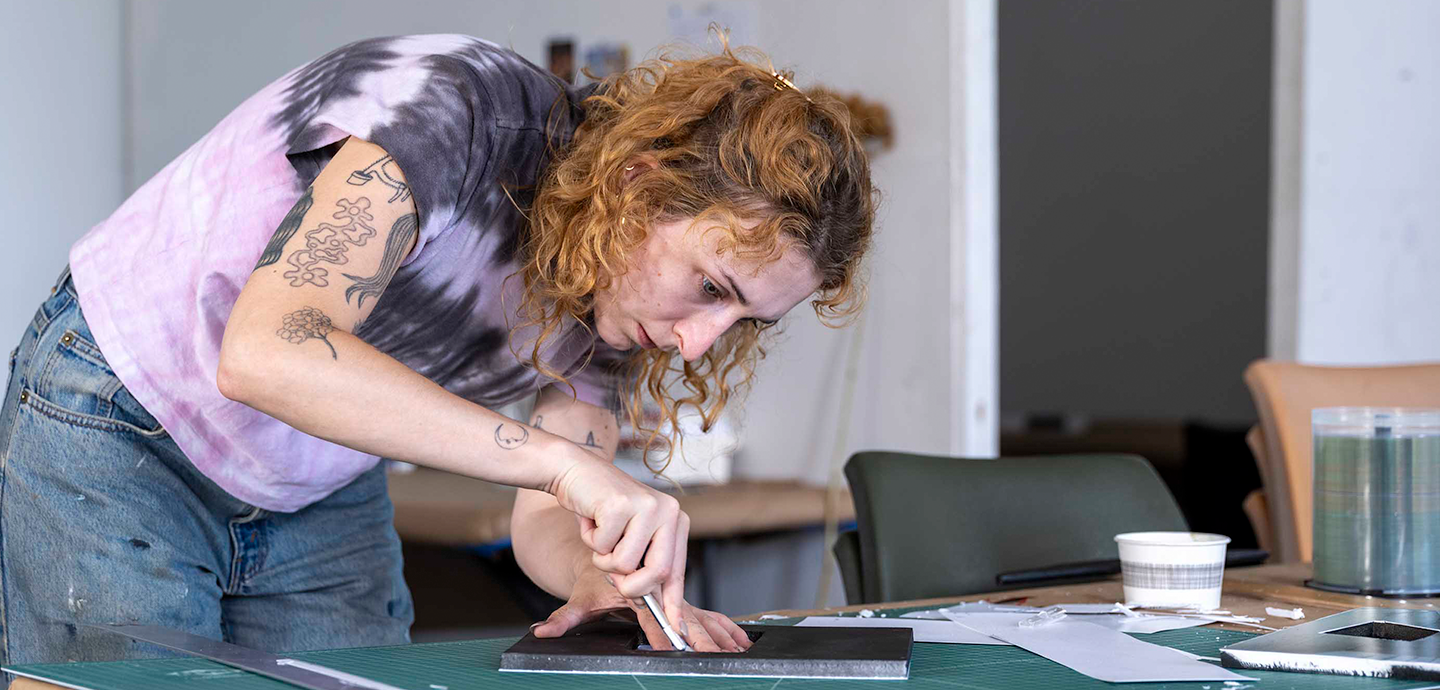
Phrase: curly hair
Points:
(729, 142)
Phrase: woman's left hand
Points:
(594, 597)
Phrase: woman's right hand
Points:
(638, 535)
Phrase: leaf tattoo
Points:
(401, 233)
(299, 326)
(288, 227)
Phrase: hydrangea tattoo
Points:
(299, 326)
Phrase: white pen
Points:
(676, 640)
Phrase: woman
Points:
(360, 261)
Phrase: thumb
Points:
(560, 622)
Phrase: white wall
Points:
(1362, 177)
(196, 61)
(60, 139)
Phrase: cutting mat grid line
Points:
(471, 665)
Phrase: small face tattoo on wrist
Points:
(511, 436)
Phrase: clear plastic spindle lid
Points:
(1401, 422)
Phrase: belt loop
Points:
(255, 513)
(60, 282)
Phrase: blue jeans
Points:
(104, 520)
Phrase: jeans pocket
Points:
(76, 385)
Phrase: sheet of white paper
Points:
(1098, 652)
(1141, 624)
(925, 630)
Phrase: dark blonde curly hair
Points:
(730, 142)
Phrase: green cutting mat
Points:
(472, 664)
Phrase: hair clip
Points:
(782, 82)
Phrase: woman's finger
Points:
(656, 566)
(699, 636)
(562, 620)
(604, 533)
(651, 627)
(735, 632)
(672, 590)
(719, 636)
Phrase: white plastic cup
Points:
(1172, 569)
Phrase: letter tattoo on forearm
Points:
(511, 436)
(329, 243)
(307, 323)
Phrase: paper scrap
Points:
(981, 606)
(924, 630)
(866, 613)
(343, 677)
(1293, 614)
(1097, 652)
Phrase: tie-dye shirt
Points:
(465, 120)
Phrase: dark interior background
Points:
(1134, 145)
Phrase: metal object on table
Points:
(1377, 501)
(1379, 642)
(778, 652)
(292, 671)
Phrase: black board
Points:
(613, 647)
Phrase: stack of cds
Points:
(1377, 500)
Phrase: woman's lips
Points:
(644, 339)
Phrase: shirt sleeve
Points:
(430, 111)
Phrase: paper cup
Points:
(1172, 569)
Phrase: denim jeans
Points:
(104, 520)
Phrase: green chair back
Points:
(940, 526)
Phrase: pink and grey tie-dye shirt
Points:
(465, 120)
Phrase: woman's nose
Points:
(698, 333)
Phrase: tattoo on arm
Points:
(307, 323)
(511, 436)
(388, 173)
(329, 243)
(288, 226)
(538, 419)
(590, 440)
(401, 233)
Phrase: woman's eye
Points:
(710, 289)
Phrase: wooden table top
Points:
(443, 509)
(1246, 592)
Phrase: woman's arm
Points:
(547, 540)
(288, 349)
(549, 550)
(288, 352)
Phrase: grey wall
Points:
(1134, 183)
(60, 140)
(1367, 169)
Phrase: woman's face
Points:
(680, 294)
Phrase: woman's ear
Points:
(637, 165)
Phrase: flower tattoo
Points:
(299, 326)
(329, 243)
